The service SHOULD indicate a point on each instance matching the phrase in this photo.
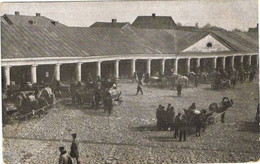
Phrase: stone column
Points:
(224, 62)
(117, 69)
(232, 61)
(99, 68)
(215, 63)
(78, 71)
(249, 61)
(176, 65)
(162, 66)
(7, 75)
(57, 72)
(34, 74)
(148, 67)
(188, 65)
(241, 59)
(133, 67)
(198, 62)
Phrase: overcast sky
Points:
(229, 15)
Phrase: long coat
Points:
(74, 152)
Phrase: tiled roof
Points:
(110, 25)
(25, 20)
(154, 22)
(29, 41)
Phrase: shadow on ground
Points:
(249, 127)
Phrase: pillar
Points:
(117, 69)
(148, 66)
(188, 65)
(34, 74)
(232, 61)
(257, 62)
(249, 61)
(241, 59)
(176, 65)
(78, 71)
(7, 75)
(214, 63)
(57, 72)
(198, 62)
(224, 62)
(132, 67)
(162, 66)
(99, 69)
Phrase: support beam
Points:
(249, 61)
(162, 66)
(232, 61)
(99, 69)
(198, 62)
(117, 69)
(176, 65)
(224, 62)
(241, 59)
(57, 72)
(132, 67)
(7, 75)
(78, 71)
(148, 67)
(188, 65)
(215, 63)
(34, 74)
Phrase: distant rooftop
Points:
(37, 20)
(154, 22)
(253, 29)
(112, 24)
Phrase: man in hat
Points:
(177, 125)
(74, 152)
(139, 87)
(64, 157)
(179, 89)
(183, 123)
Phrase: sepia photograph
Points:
(130, 82)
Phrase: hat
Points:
(61, 149)
(74, 135)
(169, 104)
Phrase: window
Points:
(209, 45)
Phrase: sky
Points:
(228, 14)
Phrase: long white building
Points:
(35, 48)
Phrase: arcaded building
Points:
(36, 48)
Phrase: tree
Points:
(179, 24)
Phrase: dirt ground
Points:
(130, 135)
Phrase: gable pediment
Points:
(208, 44)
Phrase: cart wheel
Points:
(15, 115)
(210, 120)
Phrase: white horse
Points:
(184, 80)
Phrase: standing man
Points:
(108, 103)
(179, 89)
(64, 157)
(139, 87)
(74, 152)
(183, 128)
(177, 125)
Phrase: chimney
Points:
(54, 23)
(153, 15)
(16, 13)
(32, 22)
(38, 14)
(113, 20)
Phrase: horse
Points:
(183, 80)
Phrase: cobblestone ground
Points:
(129, 135)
